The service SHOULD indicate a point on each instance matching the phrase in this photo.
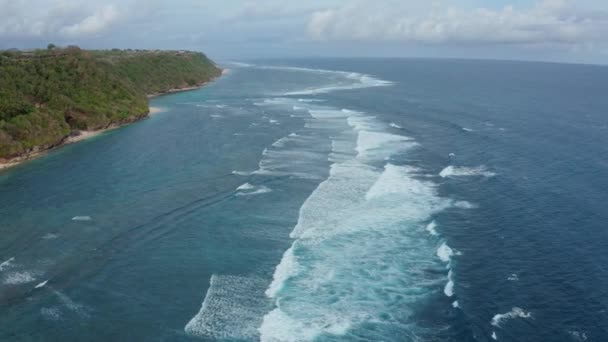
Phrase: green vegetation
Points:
(45, 95)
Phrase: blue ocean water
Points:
(325, 200)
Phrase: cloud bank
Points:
(545, 22)
(557, 30)
(68, 18)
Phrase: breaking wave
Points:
(232, 309)
(461, 171)
(499, 319)
(359, 229)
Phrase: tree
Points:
(51, 46)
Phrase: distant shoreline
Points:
(85, 135)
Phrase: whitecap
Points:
(455, 304)
(379, 145)
(81, 218)
(7, 264)
(240, 64)
(467, 129)
(431, 228)
(445, 253)
(50, 236)
(448, 290)
(248, 189)
(461, 171)
(516, 312)
(355, 81)
(21, 277)
(246, 186)
(394, 125)
(287, 268)
(513, 277)
(41, 284)
(494, 337)
(232, 309)
(241, 173)
(578, 335)
(464, 205)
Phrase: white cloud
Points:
(546, 22)
(54, 18)
(94, 23)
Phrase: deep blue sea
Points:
(324, 200)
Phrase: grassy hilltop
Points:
(46, 95)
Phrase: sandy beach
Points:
(82, 135)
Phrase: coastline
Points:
(85, 135)
(195, 87)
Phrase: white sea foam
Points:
(81, 218)
(445, 253)
(246, 186)
(397, 180)
(380, 145)
(248, 189)
(7, 264)
(467, 129)
(287, 268)
(364, 123)
(464, 205)
(448, 290)
(71, 305)
(310, 100)
(343, 81)
(20, 277)
(50, 236)
(240, 64)
(513, 277)
(43, 284)
(358, 213)
(431, 228)
(359, 229)
(232, 309)
(499, 319)
(53, 313)
(455, 304)
(461, 171)
(394, 125)
(578, 335)
(241, 173)
(494, 337)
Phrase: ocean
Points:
(324, 200)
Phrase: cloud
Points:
(546, 22)
(96, 22)
(54, 18)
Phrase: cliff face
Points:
(47, 94)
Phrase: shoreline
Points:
(195, 87)
(85, 135)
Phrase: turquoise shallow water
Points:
(394, 200)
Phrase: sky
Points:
(573, 31)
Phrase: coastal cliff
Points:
(49, 96)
